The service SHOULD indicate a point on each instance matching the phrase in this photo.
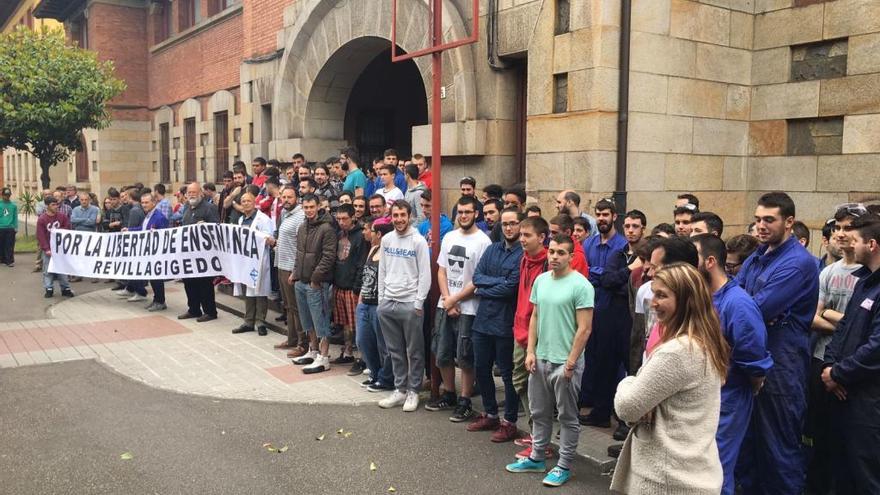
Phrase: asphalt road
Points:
(64, 428)
(21, 290)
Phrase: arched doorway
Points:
(387, 100)
(332, 44)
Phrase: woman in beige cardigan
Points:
(673, 403)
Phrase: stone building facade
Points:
(727, 98)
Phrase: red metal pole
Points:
(436, 172)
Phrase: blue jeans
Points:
(488, 350)
(314, 308)
(372, 344)
(49, 278)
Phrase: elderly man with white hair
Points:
(199, 291)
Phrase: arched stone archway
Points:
(331, 42)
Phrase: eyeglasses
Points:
(852, 209)
(731, 266)
(509, 225)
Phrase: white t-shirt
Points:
(459, 255)
(643, 305)
(391, 195)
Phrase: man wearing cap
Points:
(8, 227)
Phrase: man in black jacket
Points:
(351, 251)
(852, 370)
(199, 291)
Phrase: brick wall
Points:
(202, 64)
(263, 19)
(119, 34)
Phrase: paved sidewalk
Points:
(203, 359)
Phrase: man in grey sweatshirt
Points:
(413, 196)
(404, 281)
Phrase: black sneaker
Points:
(357, 368)
(621, 432)
(49, 293)
(343, 359)
(442, 403)
(614, 450)
(378, 387)
(283, 317)
(243, 329)
(67, 293)
(366, 383)
(463, 412)
(590, 420)
(262, 331)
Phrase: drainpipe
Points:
(619, 195)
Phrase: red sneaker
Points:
(548, 453)
(505, 433)
(525, 441)
(484, 423)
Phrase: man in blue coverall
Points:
(607, 351)
(852, 371)
(783, 279)
(744, 330)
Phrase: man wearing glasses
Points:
(496, 280)
(460, 252)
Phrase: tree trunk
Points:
(44, 176)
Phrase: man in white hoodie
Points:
(404, 281)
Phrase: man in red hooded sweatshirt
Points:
(563, 224)
(532, 232)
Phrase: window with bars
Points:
(189, 138)
(164, 154)
(216, 6)
(221, 145)
(186, 15)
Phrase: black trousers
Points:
(158, 287)
(200, 296)
(7, 246)
(856, 458)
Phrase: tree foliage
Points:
(49, 92)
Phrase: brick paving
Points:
(195, 358)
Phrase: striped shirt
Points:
(285, 249)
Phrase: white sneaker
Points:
(397, 398)
(307, 358)
(137, 298)
(367, 372)
(412, 401)
(124, 293)
(321, 363)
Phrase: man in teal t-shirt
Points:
(8, 227)
(558, 332)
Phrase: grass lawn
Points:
(25, 244)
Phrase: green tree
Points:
(49, 92)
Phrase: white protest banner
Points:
(199, 250)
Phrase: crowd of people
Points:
(746, 364)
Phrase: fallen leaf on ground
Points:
(283, 449)
(126, 456)
(373, 467)
(347, 434)
(391, 489)
(340, 431)
(320, 438)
